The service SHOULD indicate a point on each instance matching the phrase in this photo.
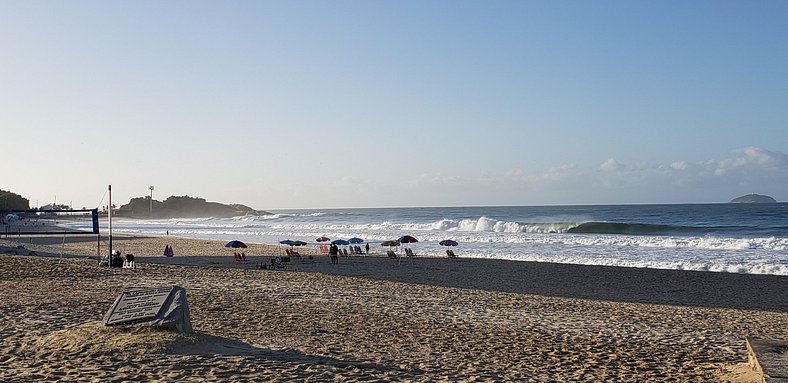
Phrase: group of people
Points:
(353, 249)
(118, 261)
(333, 252)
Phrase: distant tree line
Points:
(13, 201)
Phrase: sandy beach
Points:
(371, 319)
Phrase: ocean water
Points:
(738, 238)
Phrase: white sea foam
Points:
(544, 239)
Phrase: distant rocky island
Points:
(754, 198)
(183, 207)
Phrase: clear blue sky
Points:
(310, 104)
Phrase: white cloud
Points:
(744, 170)
(752, 158)
(741, 171)
(562, 172)
(611, 165)
(514, 173)
(679, 165)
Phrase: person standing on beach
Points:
(333, 251)
(366, 247)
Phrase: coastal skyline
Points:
(306, 104)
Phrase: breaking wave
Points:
(549, 235)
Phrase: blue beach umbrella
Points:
(340, 242)
(287, 242)
(355, 240)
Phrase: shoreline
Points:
(761, 292)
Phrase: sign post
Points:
(138, 305)
(156, 306)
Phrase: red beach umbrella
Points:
(236, 244)
(407, 239)
(322, 239)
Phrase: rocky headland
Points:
(183, 207)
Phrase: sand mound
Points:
(95, 338)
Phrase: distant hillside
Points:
(183, 207)
(754, 198)
(13, 201)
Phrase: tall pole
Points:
(109, 216)
(151, 199)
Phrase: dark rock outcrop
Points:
(183, 207)
(754, 198)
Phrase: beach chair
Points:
(450, 253)
(295, 254)
(394, 256)
(344, 251)
(277, 265)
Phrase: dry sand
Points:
(369, 319)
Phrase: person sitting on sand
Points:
(129, 264)
(117, 261)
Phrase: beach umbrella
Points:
(298, 243)
(320, 240)
(236, 244)
(287, 242)
(449, 242)
(390, 243)
(340, 242)
(355, 240)
(407, 239)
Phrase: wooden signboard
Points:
(138, 305)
